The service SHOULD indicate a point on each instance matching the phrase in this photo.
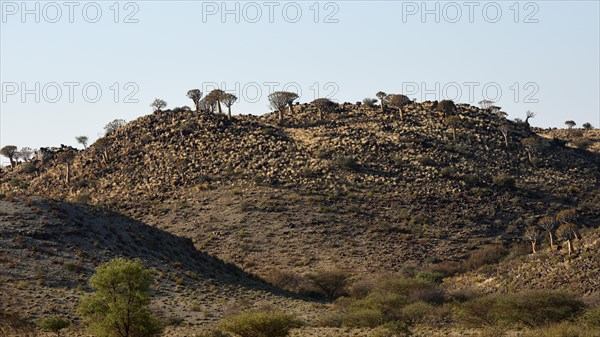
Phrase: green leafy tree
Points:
(195, 95)
(587, 126)
(10, 152)
(118, 305)
(228, 99)
(54, 324)
(83, 140)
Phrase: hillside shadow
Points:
(105, 234)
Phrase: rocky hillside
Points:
(361, 189)
(546, 269)
(49, 249)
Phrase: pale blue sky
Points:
(179, 45)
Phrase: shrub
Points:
(347, 162)
(418, 312)
(54, 324)
(562, 330)
(427, 161)
(369, 102)
(260, 324)
(331, 284)
(446, 106)
(592, 317)
(430, 276)
(582, 144)
(531, 308)
(27, 168)
(504, 181)
(489, 254)
(363, 317)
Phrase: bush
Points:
(592, 317)
(347, 162)
(446, 106)
(430, 276)
(330, 284)
(489, 254)
(531, 308)
(260, 324)
(427, 161)
(418, 312)
(54, 324)
(504, 181)
(369, 102)
(363, 318)
(582, 144)
(562, 330)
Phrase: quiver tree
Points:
(548, 224)
(528, 115)
(452, 122)
(532, 234)
(195, 95)
(568, 232)
(216, 97)
(10, 152)
(26, 154)
(504, 129)
(66, 158)
(207, 104)
(531, 145)
(228, 99)
(446, 107)
(83, 140)
(485, 104)
(570, 124)
(567, 216)
(113, 126)
(102, 145)
(398, 102)
(158, 105)
(323, 105)
(291, 97)
(279, 100)
(381, 95)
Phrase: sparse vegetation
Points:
(260, 324)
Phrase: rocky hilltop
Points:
(359, 188)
